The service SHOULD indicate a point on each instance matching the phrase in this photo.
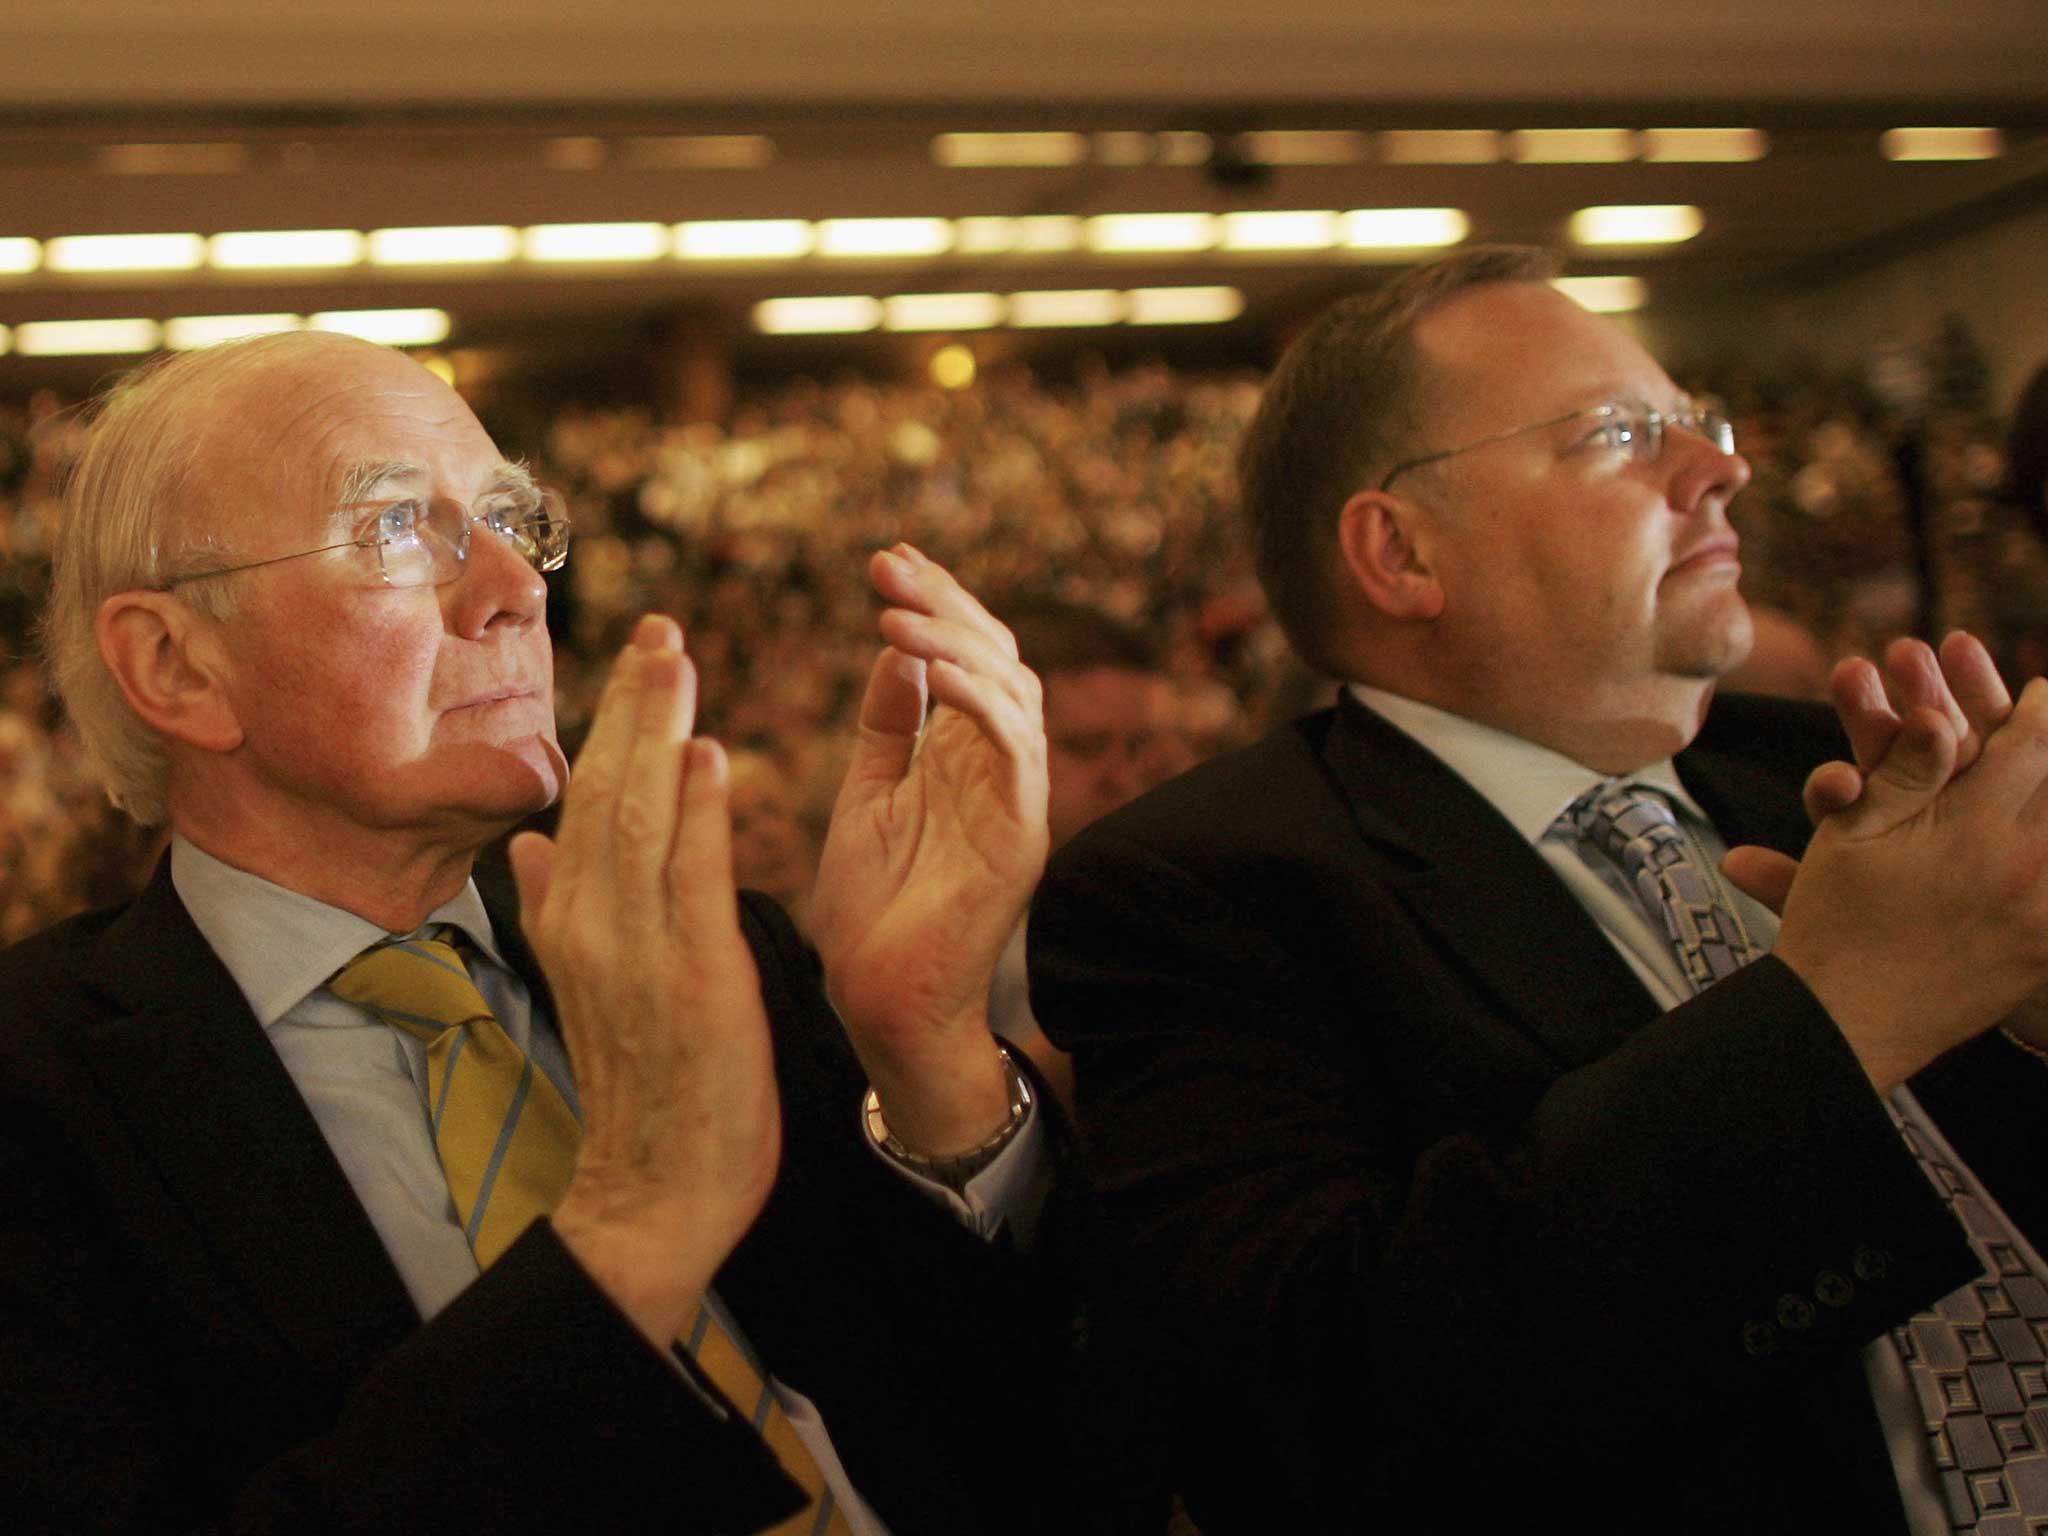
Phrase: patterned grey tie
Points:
(1634, 827)
(1978, 1360)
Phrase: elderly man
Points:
(311, 1224)
(1481, 1157)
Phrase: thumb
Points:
(1830, 788)
(891, 715)
(1762, 874)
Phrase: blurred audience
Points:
(1880, 504)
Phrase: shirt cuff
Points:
(1007, 1195)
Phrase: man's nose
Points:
(497, 584)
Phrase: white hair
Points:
(128, 525)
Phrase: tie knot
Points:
(417, 984)
(1624, 821)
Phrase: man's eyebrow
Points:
(362, 481)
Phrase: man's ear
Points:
(1378, 533)
(171, 666)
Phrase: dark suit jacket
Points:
(1426, 1214)
(199, 1326)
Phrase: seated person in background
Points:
(1112, 732)
(1477, 1155)
(348, 1192)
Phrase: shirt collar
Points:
(1528, 784)
(280, 945)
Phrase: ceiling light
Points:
(444, 246)
(596, 242)
(1942, 144)
(1636, 224)
(835, 315)
(984, 236)
(80, 338)
(391, 327)
(1066, 306)
(698, 152)
(1118, 232)
(1184, 306)
(1671, 145)
(1603, 295)
(743, 240)
(1292, 146)
(972, 150)
(1124, 148)
(941, 312)
(1049, 232)
(1182, 148)
(187, 333)
(262, 248)
(1404, 229)
(1439, 146)
(18, 254)
(952, 367)
(884, 237)
(6, 340)
(1572, 146)
(124, 253)
(1270, 230)
(170, 159)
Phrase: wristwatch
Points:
(955, 1171)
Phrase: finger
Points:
(1979, 691)
(931, 639)
(1919, 763)
(1015, 734)
(1831, 788)
(2015, 761)
(1763, 874)
(590, 804)
(1914, 680)
(910, 580)
(644, 829)
(532, 857)
(1866, 714)
(700, 863)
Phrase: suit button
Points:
(1871, 1264)
(1832, 1289)
(1759, 1339)
(1795, 1313)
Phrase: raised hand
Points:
(1919, 916)
(632, 913)
(936, 842)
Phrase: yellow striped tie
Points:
(507, 1142)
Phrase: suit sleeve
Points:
(1358, 1295)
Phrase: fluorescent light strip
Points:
(6, 340)
(962, 151)
(1636, 224)
(1439, 146)
(391, 327)
(444, 246)
(187, 333)
(861, 238)
(1184, 306)
(941, 312)
(596, 242)
(1036, 235)
(85, 338)
(1942, 144)
(1572, 146)
(839, 314)
(742, 240)
(1290, 146)
(1116, 233)
(1670, 146)
(124, 253)
(1179, 148)
(1119, 147)
(257, 249)
(1271, 230)
(1045, 308)
(1404, 229)
(1603, 295)
(20, 254)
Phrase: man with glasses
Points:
(349, 1192)
(1479, 1155)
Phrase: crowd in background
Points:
(1881, 506)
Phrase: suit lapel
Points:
(189, 1069)
(1470, 879)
